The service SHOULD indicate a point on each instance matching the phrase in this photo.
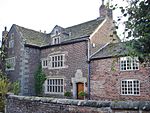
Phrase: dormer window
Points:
(56, 40)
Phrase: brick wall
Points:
(22, 104)
(75, 58)
(106, 80)
(102, 36)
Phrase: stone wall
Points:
(22, 104)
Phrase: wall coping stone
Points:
(118, 105)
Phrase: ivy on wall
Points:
(40, 77)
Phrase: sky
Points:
(43, 15)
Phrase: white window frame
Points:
(54, 86)
(55, 63)
(129, 87)
(129, 63)
(44, 62)
(11, 43)
(56, 40)
(11, 61)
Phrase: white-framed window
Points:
(56, 40)
(11, 43)
(129, 63)
(130, 87)
(10, 63)
(44, 63)
(56, 61)
(54, 86)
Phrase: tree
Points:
(137, 27)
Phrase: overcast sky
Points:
(45, 14)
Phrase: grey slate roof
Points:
(74, 33)
(84, 29)
(112, 50)
(32, 37)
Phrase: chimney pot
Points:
(5, 28)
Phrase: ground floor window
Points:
(54, 86)
(130, 87)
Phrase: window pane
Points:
(55, 85)
(130, 87)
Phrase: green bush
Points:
(5, 87)
(15, 87)
(68, 94)
(82, 93)
(40, 78)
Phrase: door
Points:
(80, 87)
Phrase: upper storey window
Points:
(11, 41)
(56, 40)
(129, 63)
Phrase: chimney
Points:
(104, 11)
(4, 36)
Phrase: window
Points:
(57, 61)
(54, 86)
(11, 42)
(56, 40)
(129, 63)
(10, 63)
(130, 87)
(44, 63)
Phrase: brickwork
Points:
(102, 36)
(75, 58)
(106, 80)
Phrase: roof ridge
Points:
(28, 29)
(84, 23)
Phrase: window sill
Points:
(57, 67)
(10, 69)
(130, 94)
(129, 70)
(54, 93)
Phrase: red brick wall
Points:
(106, 80)
(102, 36)
(75, 58)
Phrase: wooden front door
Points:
(80, 87)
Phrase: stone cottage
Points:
(72, 59)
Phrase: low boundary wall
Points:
(26, 104)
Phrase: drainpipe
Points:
(89, 75)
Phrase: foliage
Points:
(15, 87)
(137, 27)
(4, 88)
(40, 77)
(68, 94)
(82, 93)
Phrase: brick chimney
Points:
(105, 11)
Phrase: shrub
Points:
(40, 78)
(82, 93)
(68, 94)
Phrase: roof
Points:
(112, 50)
(32, 37)
(74, 33)
(84, 29)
